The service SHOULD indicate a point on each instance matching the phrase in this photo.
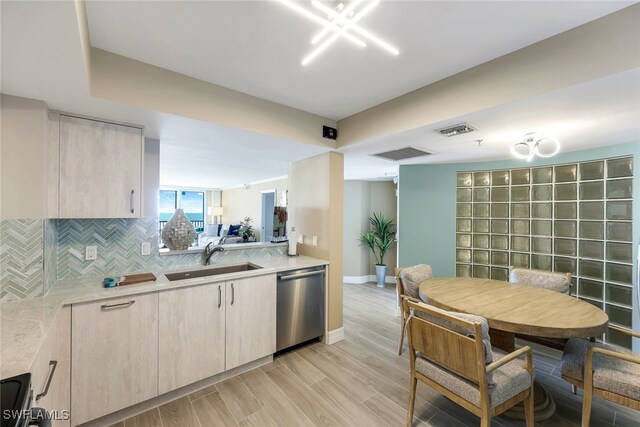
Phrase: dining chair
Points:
(408, 280)
(452, 353)
(559, 282)
(603, 369)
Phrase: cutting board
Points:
(132, 279)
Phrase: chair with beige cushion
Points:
(408, 280)
(452, 353)
(606, 370)
(559, 282)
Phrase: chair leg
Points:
(412, 399)
(586, 406)
(574, 389)
(528, 409)
(403, 325)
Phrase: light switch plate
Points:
(315, 241)
(91, 253)
(301, 239)
(145, 248)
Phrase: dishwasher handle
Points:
(300, 275)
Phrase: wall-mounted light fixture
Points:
(533, 145)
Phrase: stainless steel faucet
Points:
(209, 251)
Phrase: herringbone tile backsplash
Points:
(21, 259)
(119, 241)
(36, 253)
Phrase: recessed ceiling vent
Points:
(456, 130)
(402, 154)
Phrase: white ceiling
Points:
(256, 46)
(594, 114)
(41, 58)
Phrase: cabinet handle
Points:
(52, 369)
(233, 294)
(122, 304)
(132, 208)
(219, 296)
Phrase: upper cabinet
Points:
(100, 169)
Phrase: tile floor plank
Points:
(238, 398)
(178, 413)
(346, 405)
(308, 373)
(341, 376)
(212, 411)
(273, 400)
(307, 400)
(258, 419)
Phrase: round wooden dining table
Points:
(517, 309)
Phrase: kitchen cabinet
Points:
(114, 355)
(192, 335)
(50, 372)
(100, 169)
(250, 319)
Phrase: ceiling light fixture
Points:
(535, 145)
(336, 20)
(346, 27)
(341, 22)
(319, 20)
(364, 33)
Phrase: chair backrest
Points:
(409, 278)
(559, 282)
(443, 340)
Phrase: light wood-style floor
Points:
(360, 381)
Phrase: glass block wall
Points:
(568, 218)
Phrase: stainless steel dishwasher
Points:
(300, 302)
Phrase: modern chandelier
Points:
(533, 145)
(341, 21)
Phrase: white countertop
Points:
(24, 324)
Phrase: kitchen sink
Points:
(214, 271)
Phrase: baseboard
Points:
(359, 280)
(332, 337)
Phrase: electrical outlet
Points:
(315, 241)
(301, 239)
(146, 248)
(91, 253)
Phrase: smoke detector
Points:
(402, 154)
(458, 129)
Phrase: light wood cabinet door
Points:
(50, 372)
(114, 355)
(191, 335)
(251, 319)
(100, 169)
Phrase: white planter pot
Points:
(381, 274)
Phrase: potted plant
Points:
(246, 230)
(379, 239)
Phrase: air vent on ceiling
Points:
(402, 154)
(456, 130)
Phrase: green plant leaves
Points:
(380, 237)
